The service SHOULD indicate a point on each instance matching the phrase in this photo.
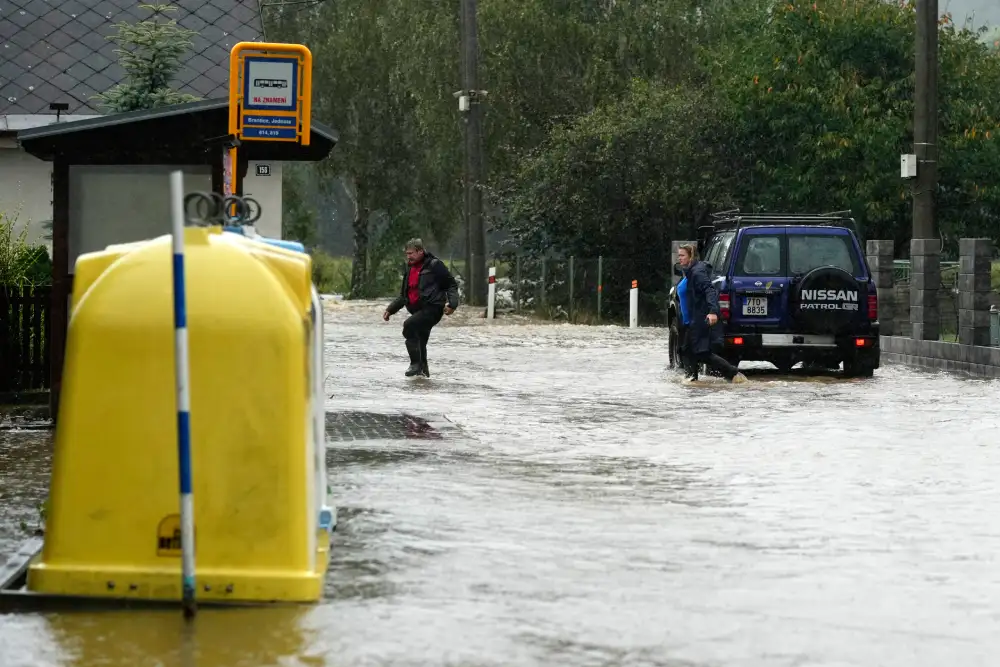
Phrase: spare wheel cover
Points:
(827, 300)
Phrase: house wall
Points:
(123, 204)
(26, 191)
(115, 204)
(266, 190)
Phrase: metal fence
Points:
(582, 290)
(593, 290)
(901, 270)
(947, 300)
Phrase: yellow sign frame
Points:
(238, 59)
(239, 56)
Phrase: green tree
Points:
(624, 180)
(821, 99)
(386, 72)
(612, 127)
(992, 39)
(797, 106)
(546, 63)
(298, 217)
(150, 53)
(821, 94)
(376, 82)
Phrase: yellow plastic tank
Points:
(113, 520)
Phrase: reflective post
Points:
(633, 305)
(491, 297)
(182, 375)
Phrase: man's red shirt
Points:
(413, 284)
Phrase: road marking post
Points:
(492, 296)
(182, 381)
(633, 305)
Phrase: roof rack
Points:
(733, 219)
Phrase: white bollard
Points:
(633, 305)
(492, 297)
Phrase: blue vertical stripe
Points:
(180, 304)
(184, 449)
(183, 417)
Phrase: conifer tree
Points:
(150, 53)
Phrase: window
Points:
(810, 251)
(713, 250)
(724, 244)
(718, 252)
(761, 256)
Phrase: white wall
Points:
(122, 204)
(115, 204)
(26, 191)
(267, 191)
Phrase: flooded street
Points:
(585, 508)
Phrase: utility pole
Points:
(925, 121)
(469, 104)
(925, 245)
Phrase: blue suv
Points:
(792, 288)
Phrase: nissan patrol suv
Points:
(792, 288)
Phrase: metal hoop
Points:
(253, 210)
(207, 207)
(211, 208)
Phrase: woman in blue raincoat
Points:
(699, 302)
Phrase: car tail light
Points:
(738, 340)
(860, 342)
(724, 306)
(873, 307)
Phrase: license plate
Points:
(755, 306)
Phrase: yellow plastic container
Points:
(113, 523)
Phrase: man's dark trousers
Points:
(417, 331)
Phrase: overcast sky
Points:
(983, 11)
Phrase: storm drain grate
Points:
(380, 426)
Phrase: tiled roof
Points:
(58, 51)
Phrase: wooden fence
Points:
(24, 337)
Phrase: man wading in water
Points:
(699, 304)
(428, 292)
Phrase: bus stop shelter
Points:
(110, 183)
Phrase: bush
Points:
(21, 263)
(332, 275)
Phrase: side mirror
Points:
(678, 271)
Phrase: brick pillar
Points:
(674, 245)
(880, 256)
(974, 291)
(925, 281)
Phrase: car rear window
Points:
(810, 251)
(760, 256)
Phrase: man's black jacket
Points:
(437, 287)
